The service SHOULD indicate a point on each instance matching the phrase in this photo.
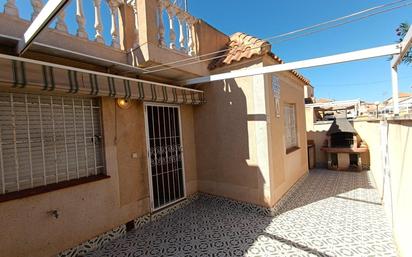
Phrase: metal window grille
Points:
(290, 126)
(48, 139)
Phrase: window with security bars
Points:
(291, 135)
(48, 139)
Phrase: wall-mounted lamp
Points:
(123, 103)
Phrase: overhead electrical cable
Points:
(287, 33)
(360, 84)
(308, 31)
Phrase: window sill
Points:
(292, 149)
(49, 188)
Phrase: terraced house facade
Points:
(98, 135)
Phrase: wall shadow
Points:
(322, 184)
(319, 137)
(224, 162)
(215, 226)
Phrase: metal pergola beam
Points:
(395, 90)
(396, 60)
(47, 13)
(316, 62)
(405, 45)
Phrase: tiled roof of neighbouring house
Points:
(242, 46)
(324, 100)
(401, 95)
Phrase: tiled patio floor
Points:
(330, 214)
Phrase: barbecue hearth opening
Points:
(342, 139)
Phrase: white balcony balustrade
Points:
(133, 5)
(10, 8)
(81, 31)
(175, 28)
(98, 25)
(118, 24)
(78, 16)
(37, 6)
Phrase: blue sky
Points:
(368, 80)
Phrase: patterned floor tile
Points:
(329, 214)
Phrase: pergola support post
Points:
(395, 90)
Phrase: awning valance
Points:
(18, 72)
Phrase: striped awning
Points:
(16, 72)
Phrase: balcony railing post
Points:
(161, 27)
(181, 19)
(37, 6)
(114, 14)
(190, 42)
(98, 26)
(136, 24)
(10, 8)
(129, 25)
(81, 32)
(172, 34)
(61, 24)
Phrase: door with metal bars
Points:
(165, 155)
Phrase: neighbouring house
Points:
(309, 94)
(333, 140)
(402, 96)
(405, 105)
(324, 100)
(96, 134)
(328, 110)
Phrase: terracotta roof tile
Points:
(324, 100)
(242, 46)
(403, 94)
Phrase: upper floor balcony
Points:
(120, 36)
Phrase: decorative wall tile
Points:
(98, 241)
(141, 221)
(94, 243)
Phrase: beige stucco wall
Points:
(317, 133)
(285, 169)
(310, 119)
(240, 144)
(398, 188)
(189, 148)
(91, 209)
(225, 141)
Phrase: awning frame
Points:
(111, 85)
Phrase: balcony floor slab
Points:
(330, 214)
